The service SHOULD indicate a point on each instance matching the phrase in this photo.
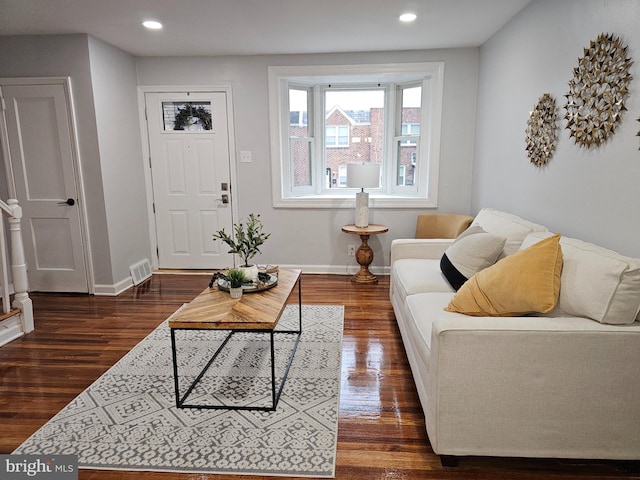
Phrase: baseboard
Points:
(113, 290)
(127, 283)
(351, 269)
(10, 329)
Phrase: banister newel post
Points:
(21, 298)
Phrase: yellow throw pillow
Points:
(526, 282)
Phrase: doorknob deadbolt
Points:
(69, 201)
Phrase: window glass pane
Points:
(300, 138)
(343, 176)
(343, 136)
(411, 110)
(301, 162)
(401, 175)
(411, 98)
(409, 129)
(298, 119)
(330, 136)
(407, 164)
(407, 153)
(354, 129)
(189, 116)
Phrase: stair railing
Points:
(21, 301)
(4, 256)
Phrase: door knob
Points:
(70, 201)
(225, 198)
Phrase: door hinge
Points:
(154, 207)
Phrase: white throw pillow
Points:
(596, 283)
(472, 251)
(506, 225)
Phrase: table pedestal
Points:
(364, 254)
(364, 257)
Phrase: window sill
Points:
(378, 201)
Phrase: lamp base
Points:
(362, 209)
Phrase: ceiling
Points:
(250, 27)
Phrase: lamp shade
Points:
(363, 175)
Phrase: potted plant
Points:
(246, 244)
(236, 279)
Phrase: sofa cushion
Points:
(506, 225)
(472, 251)
(526, 282)
(418, 275)
(423, 310)
(597, 283)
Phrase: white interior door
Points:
(39, 127)
(190, 170)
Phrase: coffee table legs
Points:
(276, 391)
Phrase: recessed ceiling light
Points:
(408, 17)
(152, 24)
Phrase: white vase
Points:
(251, 272)
(235, 292)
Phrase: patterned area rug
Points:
(127, 419)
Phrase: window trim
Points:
(432, 100)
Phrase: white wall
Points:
(592, 193)
(113, 76)
(312, 238)
(62, 56)
(103, 82)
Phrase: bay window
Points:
(325, 117)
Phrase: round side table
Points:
(364, 254)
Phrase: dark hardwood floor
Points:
(381, 427)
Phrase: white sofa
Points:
(562, 384)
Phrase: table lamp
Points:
(363, 175)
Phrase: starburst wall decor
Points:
(597, 91)
(542, 131)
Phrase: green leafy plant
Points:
(248, 238)
(236, 278)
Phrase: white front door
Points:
(190, 171)
(43, 158)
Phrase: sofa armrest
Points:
(432, 248)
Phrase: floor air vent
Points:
(140, 271)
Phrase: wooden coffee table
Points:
(214, 309)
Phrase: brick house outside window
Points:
(365, 129)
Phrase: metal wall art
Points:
(542, 130)
(597, 91)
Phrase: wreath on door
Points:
(185, 115)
